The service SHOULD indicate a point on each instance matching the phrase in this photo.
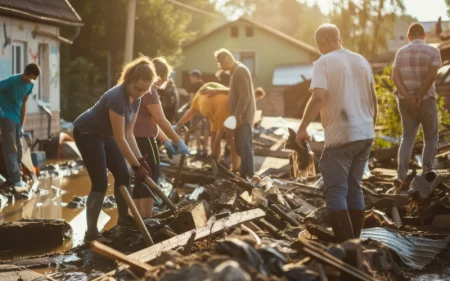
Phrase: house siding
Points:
(270, 50)
(21, 31)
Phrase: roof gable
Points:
(276, 33)
(58, 12)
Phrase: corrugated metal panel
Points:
(416, 252)
(291, 75)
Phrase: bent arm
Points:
(163, 123)
(23, 111)
(118, 129)
(129, 135)
(188, 115)
(313, 108)
(398, 82)
(162, 137)
(428, 82)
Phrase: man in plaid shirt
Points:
(414, 72)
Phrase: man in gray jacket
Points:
(241, 105)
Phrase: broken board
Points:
(13, 273)
(150, 253)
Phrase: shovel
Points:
(183, 157)
(156, 189)
(304, 152)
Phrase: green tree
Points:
(366, 25)
(78, 79)
(161, 28)
(389, 120)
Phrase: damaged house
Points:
(31, 33)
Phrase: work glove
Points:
(182, 148)
(140, 173)
(143, 163)
(170, 147)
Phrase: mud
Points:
(56, 189)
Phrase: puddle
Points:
(50, 202)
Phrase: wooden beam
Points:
(113, 254)
(150, 253)
(324, 257)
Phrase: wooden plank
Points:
(300, 206)
(113, 254)
(325, 257)
(150, 253)
(14, 273)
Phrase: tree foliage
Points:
(161, 28)
(366, 25)
(78, 79)
(389, 120)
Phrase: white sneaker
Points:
(21, 186)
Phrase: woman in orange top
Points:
(215, 108)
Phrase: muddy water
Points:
(51, 203)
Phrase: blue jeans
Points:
(12, 148)
(427, 115)
(243, 139)
(99, 154)
(342, 169)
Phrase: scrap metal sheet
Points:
(414, 251)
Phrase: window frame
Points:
(14, 47)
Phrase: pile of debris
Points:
(212, 225)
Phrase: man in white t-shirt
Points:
(343, 92)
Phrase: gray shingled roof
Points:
(58, 12)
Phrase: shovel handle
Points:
(308, 147)
(137, 217)
(156, 189)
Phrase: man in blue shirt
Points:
(14, 92)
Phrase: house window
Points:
(248, 59)
(18, 57)
(43, 80)
(234, 31)
(249, 31)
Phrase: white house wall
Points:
(21, 31)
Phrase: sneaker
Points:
(21, 186)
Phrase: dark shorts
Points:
(147, 146)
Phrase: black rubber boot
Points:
(357, 217)
(94, 206)
(341, 224)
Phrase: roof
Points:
(57, 12)
(430, 25)
(297, 43)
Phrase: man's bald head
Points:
(327, 37)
